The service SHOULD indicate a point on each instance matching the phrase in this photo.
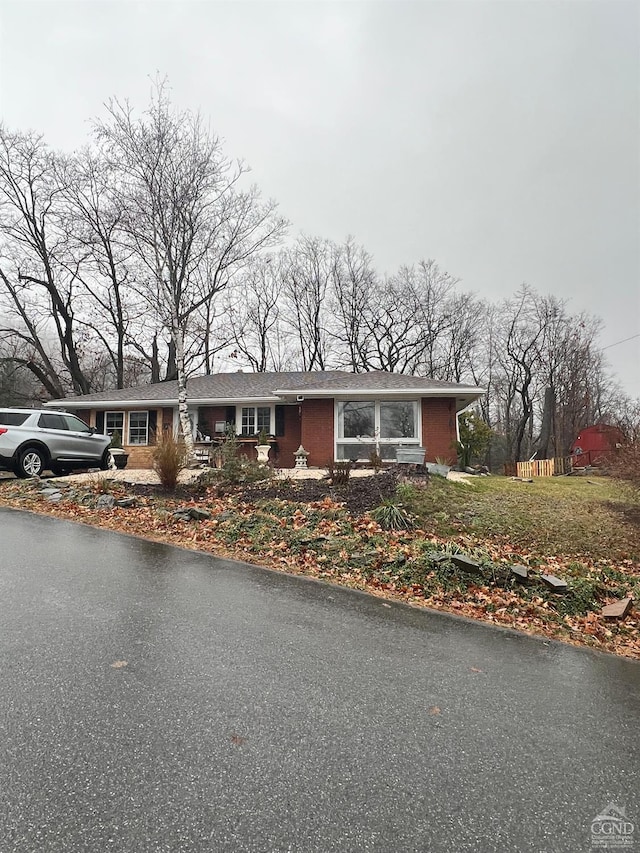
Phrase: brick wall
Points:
(317, 431)
(290, 441)
(139, 456)
(439, 428)
(209, 415)
(166, 419)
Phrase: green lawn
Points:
(575, 516)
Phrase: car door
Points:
(82, 443)
(54, 433)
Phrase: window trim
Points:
(144, 443)
(115, 412)
(255, 407)
(376, 438)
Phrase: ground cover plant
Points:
(401, 540)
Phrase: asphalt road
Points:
(260, 712)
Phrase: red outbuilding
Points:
(595, 444)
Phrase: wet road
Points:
(260, 712)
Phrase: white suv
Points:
(35, 440)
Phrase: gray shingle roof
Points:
(263, 386)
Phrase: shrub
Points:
(625, 464)
(392, 516)
(475, 438)
(340, 472)
(169, 458)
(231, 461)
(237, 468)
(375, 460)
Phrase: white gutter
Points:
(461, 391)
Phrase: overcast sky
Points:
(500, 138)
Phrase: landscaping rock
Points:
(181, 514)
(199, 514)
(619, 609)
(554, 583)
(54, 497)
(126, 503)
(105, 502)
(189, 513)
(520, 573)
(466, 564)
(438, 557)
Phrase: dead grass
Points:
(575, 516)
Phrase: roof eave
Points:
(79, 403)
(461, 391)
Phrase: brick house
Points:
(333, 414)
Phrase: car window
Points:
(52, 421)
(75, 424)
(13, 418)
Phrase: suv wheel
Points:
(31, 462)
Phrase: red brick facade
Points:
(167, 419)
(317, 431)
(290, 441)
(311, 423)
(208, 416)
(439, 428)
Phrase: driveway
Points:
(154, 699)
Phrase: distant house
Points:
(333, 414)
(595, 443)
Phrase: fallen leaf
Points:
(475, 669)
(434, 710)
(118, 664)
(237, 740)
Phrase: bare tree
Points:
(93, 218)
(353, 294)
(307, 282)
(407, 319)
(186, 217)
(254, 314)
(38, 286)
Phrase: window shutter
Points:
(153, 426)
(279, 420)
(230, 417)
(100, 422)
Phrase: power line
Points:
(621, 342)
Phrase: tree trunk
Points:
(183, 410)
(545, 444)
